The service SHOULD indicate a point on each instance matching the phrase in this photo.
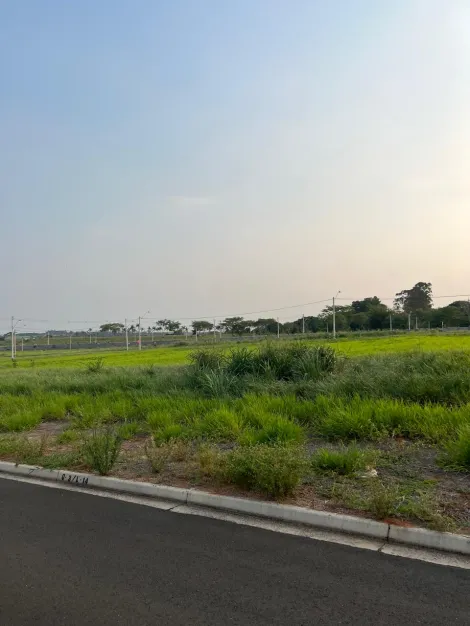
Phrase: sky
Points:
(199, 158)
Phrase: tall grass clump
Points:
(216, 383)
(457, 452)
(207, 359)
(282, 363)
(101, 449)
(422, 377)
(345, 461)
(361, 418)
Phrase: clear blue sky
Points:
(204, 157)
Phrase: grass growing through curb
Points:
(101, 449)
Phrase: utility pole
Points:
(391, 325)
(416, 322)
(140, 336)
(334, 315)
(70, 341)
(127, 334)
(22, 344)
(213, 327)
(303, 324)
(49, 339)
(278, 334)
(409, 321)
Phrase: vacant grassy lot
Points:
(387, 434)
(179, 355)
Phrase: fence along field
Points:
(179, 354)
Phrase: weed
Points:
(382, 501)
(22, 449)
(101, 449)
(160, 455)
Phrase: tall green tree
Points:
(201, 326)
(418, 298)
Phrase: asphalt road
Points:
(73, 559)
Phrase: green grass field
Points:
(179, 355)
(273, 418)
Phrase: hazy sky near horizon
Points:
(205, 157)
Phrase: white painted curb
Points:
(423, 538)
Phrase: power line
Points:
(224, 315)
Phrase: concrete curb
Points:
(349, 524)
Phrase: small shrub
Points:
(95, 365)
(273, 470)
(345, 461)
(101, 449)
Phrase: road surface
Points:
(75, 559)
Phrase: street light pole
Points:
(140, 329)
(127, 335)
(12, 338)
(334, 315)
